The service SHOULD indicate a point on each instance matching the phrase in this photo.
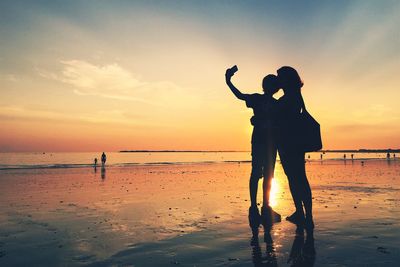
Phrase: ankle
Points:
(253, 207)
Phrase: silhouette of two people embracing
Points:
(275, 126)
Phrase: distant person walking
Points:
(292, 158)
(95, 162)
(103, 159)
(263, 143)
(388, 156)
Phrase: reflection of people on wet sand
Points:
(301, 254)
(270, 258)
(95, 164)
(103, 172)
(103, 159)
(263, 143)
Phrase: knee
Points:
(303, 179)
(268, 173)
(255, 176)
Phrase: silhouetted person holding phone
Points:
(263, 143)
(292, 157)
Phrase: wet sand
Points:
(195, 215)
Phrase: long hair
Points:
(290, 78)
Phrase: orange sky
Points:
(151, 76)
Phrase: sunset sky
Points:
(112, 75)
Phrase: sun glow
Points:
(273, 195)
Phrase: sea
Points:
(37, 160)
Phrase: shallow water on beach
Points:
(194, 215)
(47, 160)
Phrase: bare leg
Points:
(296, 195)
(305, 191)
(253, 185)
(307, 197)
(289, 166)
(266, 191)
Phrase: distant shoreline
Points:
(361, 150)
(224, 151)
(179, 151)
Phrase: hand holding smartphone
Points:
(230, 72)
(234, 69)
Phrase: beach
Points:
(195, 214)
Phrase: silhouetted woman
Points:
(292, 158)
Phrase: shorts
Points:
(263, 157)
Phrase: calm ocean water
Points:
(76, 160)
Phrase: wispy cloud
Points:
(375, 113)
(110, 81)
(114, 116)
(8, 77)
(364, 128)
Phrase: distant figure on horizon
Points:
(388, 155)
(321, 156)
(352, 156)
(103, 159)
(394, 156)
(263, 143)
(95, 162)
(344, 156)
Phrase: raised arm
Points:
(228, 75)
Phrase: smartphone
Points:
(234, 69)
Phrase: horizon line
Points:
(360, 150)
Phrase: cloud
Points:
(8, 77)
(377, 113)
(365, 128)
(108, 80)
(111, 81)
(101, 116)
